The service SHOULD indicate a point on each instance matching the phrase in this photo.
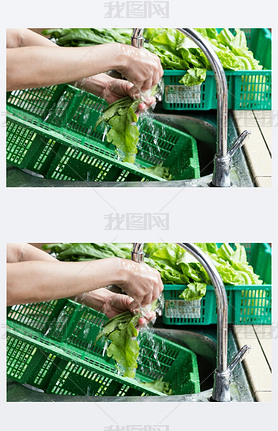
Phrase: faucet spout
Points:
(137, 39)
(221, 387)
(221, 85)
(222, 159)
(221, 302)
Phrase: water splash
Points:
(105, 133)
(105, 348)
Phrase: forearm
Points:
(38, 281)
(44, 65)
(20, 252)
(19, 37)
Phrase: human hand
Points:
(112, 89)
(138, 280)
(116, 89)
(117, 303)
(112, 304)
(138, 66)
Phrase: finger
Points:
(160, 70)
(142, 321)
(150, 315)
(135, 91)
(126, 301)
(147, 299)
(127, 85)
(147, 84)
(156, 78)
(159, 281)
(142, 106)
(159, 67)
(155, 293)
(149, 102)
(160, 285)
(134, 306)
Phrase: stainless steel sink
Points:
(200, 341)
(201, 126)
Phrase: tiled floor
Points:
(258, 361)
(258, 145)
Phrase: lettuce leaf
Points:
(176, 266)
(121, 333)
(160, 386)
(231, 49)
(194, 291)
(175, 50)
(88, 251)
(123, 133)
(123, 345)
(194, 76)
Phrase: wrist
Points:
(120, 56)
(119, 270)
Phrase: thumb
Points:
(125, 302)
(134, 306)
(132, 91)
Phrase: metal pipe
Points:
(222, 159)
(137, 39)
(220, 292)
(221, 389)
(221, 86)
(221, 301)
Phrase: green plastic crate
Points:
(51, 346)
(246, 89)
(50, 131)
(246, 304)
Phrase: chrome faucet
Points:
(223, 157)
(223, 372)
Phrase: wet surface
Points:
(202, 126)
(201, 341)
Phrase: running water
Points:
(57, 111)
(150, 134)
(150, 349)
(105, 133)
(86, 114)
(105, 348)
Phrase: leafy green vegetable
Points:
(194, 76)
(176, 266)
(159, 171)
(160, 386)
(232, 265)
(123, 348)
(194, 291)
(124, 133)
(88, 36)
(122, 333)
(175, 50)
(88, 251)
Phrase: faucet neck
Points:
(137, 38)
(221, 302)
(222, 160)
(221, 389)
(221, 86)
